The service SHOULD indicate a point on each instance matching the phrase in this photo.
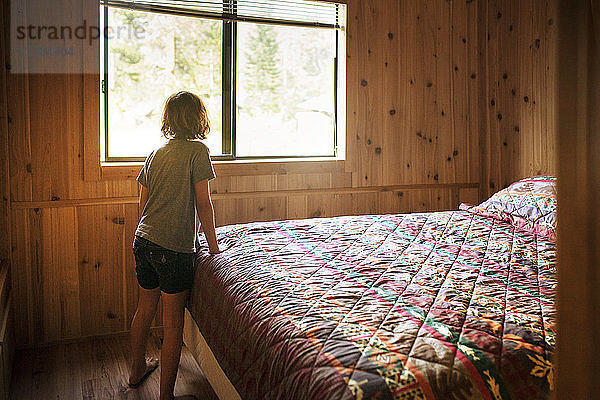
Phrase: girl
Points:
(174, 189)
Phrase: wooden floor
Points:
(97, 369)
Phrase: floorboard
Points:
(97, 369)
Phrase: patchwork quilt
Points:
(446, 305)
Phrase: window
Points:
(267, 71)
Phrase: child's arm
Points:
(143, 200)
(206, 214)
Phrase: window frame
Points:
(228, 100)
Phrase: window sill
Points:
(126, 171)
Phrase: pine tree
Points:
(262, 71)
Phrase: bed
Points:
(443, 305)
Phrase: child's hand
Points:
(214, 251)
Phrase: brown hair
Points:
(185, 117)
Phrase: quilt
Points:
(444, 305)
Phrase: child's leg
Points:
(173, 310)
(140, 330)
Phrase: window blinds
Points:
(292, 12)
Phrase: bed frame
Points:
(195, 342)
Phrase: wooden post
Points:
(578, 117)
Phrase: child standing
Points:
(174, 189)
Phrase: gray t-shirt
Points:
(169, 218)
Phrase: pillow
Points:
(529, 204)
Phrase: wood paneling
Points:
(45, 141)
(45, 277)
(100, 263)
(21, 273)
(7, 334)
(75, 275)
(578, 142)
(412, 88)
(18, 141)
(59, 280)
(521, 90)
(4, 160)
(249, 209)
(91, 105)
(130, 288)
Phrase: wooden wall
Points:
(414, 77)
(4, 175)
(7, 338)
(416, 129)
(578, 348)
(520, 93)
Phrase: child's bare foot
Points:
(138, 376)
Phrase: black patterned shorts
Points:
(156, 266)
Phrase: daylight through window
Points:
(267, 71)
